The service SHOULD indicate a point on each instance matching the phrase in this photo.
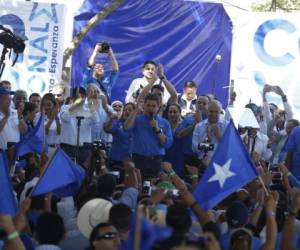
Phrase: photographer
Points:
(207, 133)
(95, 73)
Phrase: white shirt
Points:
(10, 132)
(69, 125)
(98, 132)
(52, 138)
(260, 147)
(141, 83)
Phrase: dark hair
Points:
(159, 87)
(130, 104)
(4, 82)
(149, 62)
(166, 111)
(106, 185)
(295, 122)
(94, 232)
(190, 84)
(78, 90)
(50, 229)
(50, 97)
(119, 216)
(178, 218)
(34, 95)
(28, 107)
(152, 97)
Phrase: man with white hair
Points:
(208, 133)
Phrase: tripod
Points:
(79, 118)
(2, 60)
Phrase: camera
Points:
(104, 47)
(98, 145)
(206, 147)
(10, 41)
(146, 191)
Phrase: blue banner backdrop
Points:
(184, 36)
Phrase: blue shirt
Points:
(145, 140)
(293, 145)
(122, 142)
(187, 140)
(174, 155)
(106, 83)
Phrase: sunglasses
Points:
(107, 236)
(58, 95)
(117, 106)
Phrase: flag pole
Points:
(263, 185)
(137, 231)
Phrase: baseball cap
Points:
(91, 214)
(237, 214)
(5, 91)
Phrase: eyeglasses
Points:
(107, 236)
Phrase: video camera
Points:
(10, 41)
(98, 145)
(104, 47)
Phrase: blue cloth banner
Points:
(230, 169)
(7, 199)
(184, 36)
(62, 177)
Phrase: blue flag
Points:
(7, 199)
(34, 141)
(149, 234)
(229, 169)
(62, 176)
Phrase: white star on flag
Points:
(222, 173)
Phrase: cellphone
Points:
(277, 177)
(173, 193)
(115, 173)
(146, 191)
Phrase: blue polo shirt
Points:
(145, 140)
(122, 141)
(293, 145)
(106, 83)
(187, 140)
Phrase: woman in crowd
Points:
(174, 154)
(121, 146)
(50, 107)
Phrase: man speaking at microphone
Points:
(151, 137)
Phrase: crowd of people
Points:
(146, 155)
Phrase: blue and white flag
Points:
(62, 177)
(34, 141)
(230, 169)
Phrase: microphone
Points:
(152, 118)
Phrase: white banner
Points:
(266, 49)
(42, 25)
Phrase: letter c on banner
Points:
(260, 36)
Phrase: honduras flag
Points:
(62, 176)
(7, 199)
(230, 169)
(34, 141)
